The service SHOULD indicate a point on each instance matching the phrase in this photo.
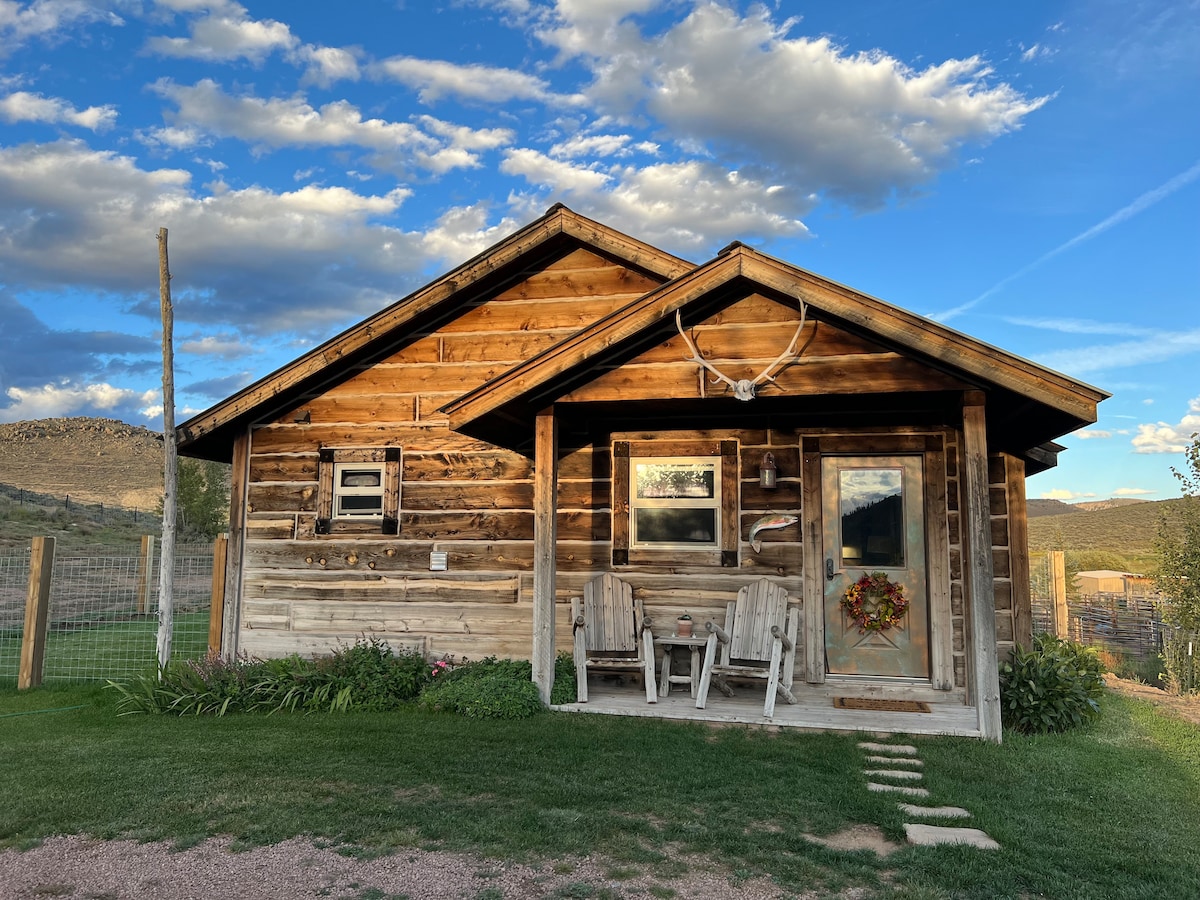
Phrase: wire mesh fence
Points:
(103, 613)
(14, 581)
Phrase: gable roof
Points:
(210, 434)
(1035, 403)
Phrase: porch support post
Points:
(814, 576)
(1018, 549)
(235, 549)
(545, 540)
(978, 573)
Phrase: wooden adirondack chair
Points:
(611, 632)
(759, 639)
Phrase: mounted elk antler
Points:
(744, 388)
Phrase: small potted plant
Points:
(683, 626)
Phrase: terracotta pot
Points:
(683, 627)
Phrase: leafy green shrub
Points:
(375, 677)
(486, 689)
(1054, 686)
(564, 679)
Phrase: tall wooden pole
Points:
(166, 571)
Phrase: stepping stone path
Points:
(899, 762)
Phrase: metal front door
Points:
(873, 521)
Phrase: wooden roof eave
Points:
(943, 347)
(210, 433)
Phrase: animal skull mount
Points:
(744, 388)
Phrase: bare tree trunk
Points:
(166, 573)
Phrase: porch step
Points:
(896, 760)
(897, 789)
(934, 812)
(900, 749)
(936, 835)
(899, 774)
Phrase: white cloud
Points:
(859, 127)
(679, 206)
(328, 64)
(1156, 347)
(47, 19)
(173, 137)
(292, 122)
(563, 177)
(236, 255)
(1037, 51)
(224, 34)
(1064, 495)
(1132, 492)
(69, 398)
(1089, 434)
(22, 106)
(434, 79)
(592, 145)
(223, 346)
(463, 232)
(1162, 437)
(1079, 326)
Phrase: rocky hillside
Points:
(91, 460)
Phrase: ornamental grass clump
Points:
(365, 675)
(1054, 686)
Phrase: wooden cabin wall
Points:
(743, 340)
(304, 592)
(668, 590)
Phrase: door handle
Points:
(828, 569)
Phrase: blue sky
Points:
(1028, 173)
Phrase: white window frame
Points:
(332, 461)
(340, 491)
(713, 503)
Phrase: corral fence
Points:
(1126, 626)
(91, 617)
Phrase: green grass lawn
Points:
(1109, 812)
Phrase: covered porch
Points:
(816, 708)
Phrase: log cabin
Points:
(449, 473)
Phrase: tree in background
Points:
(1178, 578)
(203, 496)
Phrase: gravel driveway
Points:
(79, 868)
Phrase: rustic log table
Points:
(669, 644)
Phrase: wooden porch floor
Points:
(814, 711)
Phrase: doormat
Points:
(888, 705)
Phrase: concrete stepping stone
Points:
(904, 749)
(897, 789)
(934, 812)
(901, 774)
(935, 835)
(895, 760)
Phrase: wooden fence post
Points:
(37, 608)
(1058, 593)
(216, 613)
(145, 585)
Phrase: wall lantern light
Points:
(768, 473)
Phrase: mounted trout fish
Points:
(769, 523)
